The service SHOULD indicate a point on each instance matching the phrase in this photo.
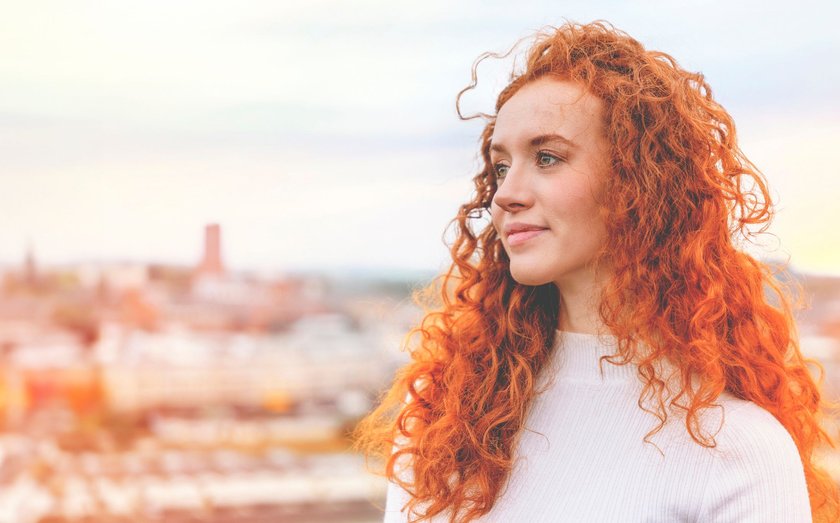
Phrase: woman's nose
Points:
(514, 192)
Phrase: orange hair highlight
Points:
(680, 193)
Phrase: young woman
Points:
(601, 350)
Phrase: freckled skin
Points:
(552, 184)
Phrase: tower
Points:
(30, 268)
(212, 260)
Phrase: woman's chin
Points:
(524, 276)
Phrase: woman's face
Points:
(550, 153)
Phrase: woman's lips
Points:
(518, 238)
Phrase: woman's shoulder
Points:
(757, 473)
(745, 422)
(741, 429)
(754, 442)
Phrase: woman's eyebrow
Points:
(537, 141)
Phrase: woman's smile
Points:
(518, 238)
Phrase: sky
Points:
(322, 135)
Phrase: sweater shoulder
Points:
(757, 470)
(746, 425)
(752, 437)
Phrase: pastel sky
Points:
(322, 134)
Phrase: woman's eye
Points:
(546, 160)
(501, 170)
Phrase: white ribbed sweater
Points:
(583, 458)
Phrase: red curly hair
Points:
(679, 195)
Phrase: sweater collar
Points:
(575, 357)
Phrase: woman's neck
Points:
(579, 301)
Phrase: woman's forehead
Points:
(545, 107)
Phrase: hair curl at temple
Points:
(680, 194)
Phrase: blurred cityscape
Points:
(134, 392)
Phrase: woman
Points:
(602, 351)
